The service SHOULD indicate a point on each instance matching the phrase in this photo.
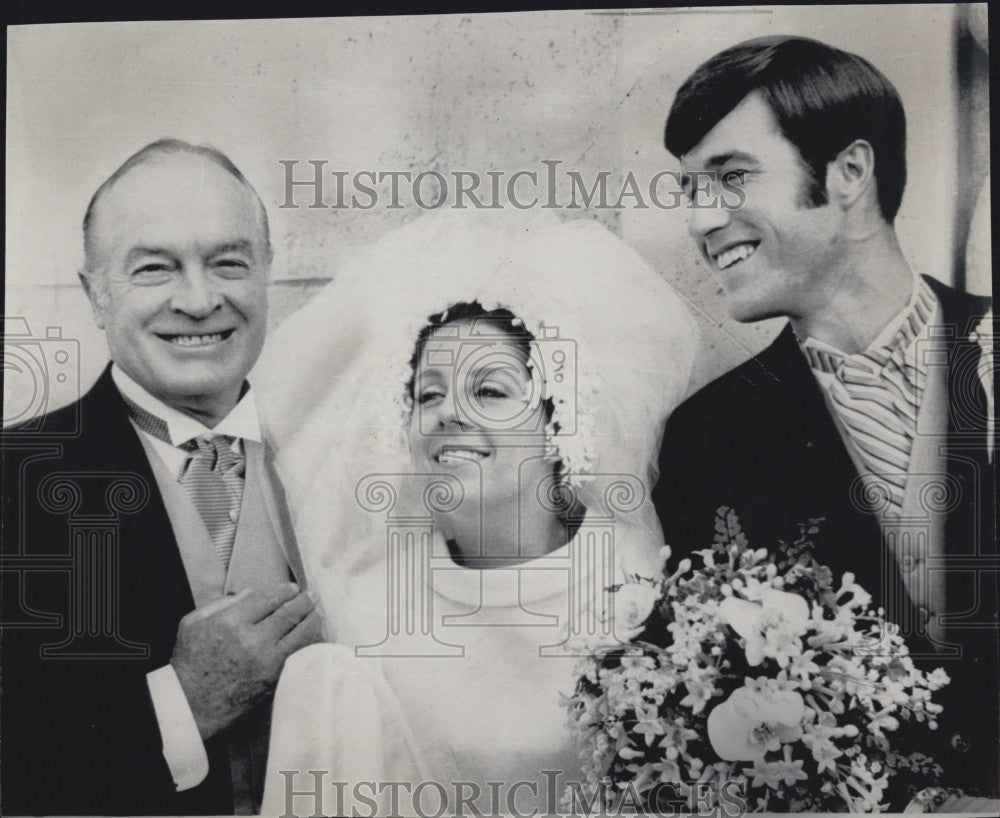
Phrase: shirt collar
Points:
(817, 351)
(243, 422)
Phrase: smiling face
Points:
(477, 410)
(776, 254)
(178, 263)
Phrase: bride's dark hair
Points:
(499, 319)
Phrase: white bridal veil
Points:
(614, 349)
(443, 673)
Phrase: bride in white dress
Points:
(467, 421)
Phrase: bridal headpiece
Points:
(613, 349)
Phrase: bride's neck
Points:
(505, 542)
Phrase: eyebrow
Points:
(720, 159)
(238, 246)
(443, 371)
(147, 251)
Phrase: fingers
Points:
(308, 631)
(285, 618)
(260, 603)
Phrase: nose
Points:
(706, 213)
(448, 413)
(198, 295)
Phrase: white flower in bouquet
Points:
(755, 720)
(772, 627)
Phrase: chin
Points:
(197, 386)
(749, 310)
(744, 313)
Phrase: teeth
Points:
(734, 254)
(459, 456)
(196, 340)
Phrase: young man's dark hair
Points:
(822, 98)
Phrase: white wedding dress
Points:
(442, 685)
(481, 704)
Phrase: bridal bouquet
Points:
(779, 682)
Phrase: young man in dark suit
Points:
(867, 411)
(148, 602)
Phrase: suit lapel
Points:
(788, 366)
(153, 588)
(970, 528)
(277, 509)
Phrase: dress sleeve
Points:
(339, 738)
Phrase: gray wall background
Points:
(478, 93)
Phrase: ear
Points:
(851, 175)
(98, 299)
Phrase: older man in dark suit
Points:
(148, 601)
(868, 410)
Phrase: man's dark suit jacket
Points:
(93, 591)
(761, 440)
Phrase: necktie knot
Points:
(216, 451)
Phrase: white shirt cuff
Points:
(183, 748)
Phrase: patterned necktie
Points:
(877, 393)
(213, 476)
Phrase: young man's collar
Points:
(920, 293)
(242, 422)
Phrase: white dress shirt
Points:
(183, 748)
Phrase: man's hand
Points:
(229, 653)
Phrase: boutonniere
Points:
(983, 335)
